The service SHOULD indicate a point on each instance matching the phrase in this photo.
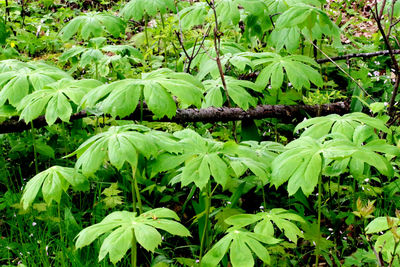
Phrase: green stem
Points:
(34, 148)
(204, 236)
(145, 31)
(139, 200)
(134, 250)
(133, 189)
(317, 249)
(61, 233)
(97, 71)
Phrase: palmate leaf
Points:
(121, 144)
(237, 90)
(127, 223)
(228, 12)
(313, 21)
(282, 218)
(301, 163)
(158, 88)
(240, 243)
(19, 82)
(136, 9)
(366, 143)
(204, 158)
(297, 69)
(53, 181)
(93, 25)
(280, 6)
(55, 99)
(12, 64)
(346, 124)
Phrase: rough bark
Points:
(211, 114)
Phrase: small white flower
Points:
(376, 73)
(34, 224)
(369, 74)
(377, 63)
(261, 207)
(366, 180)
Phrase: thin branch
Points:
(340, 68)
(211, 114)
(353, 55)
(392, 57)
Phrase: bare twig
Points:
(378, 19)
(194, 52)
(353, 55)
(340, 68)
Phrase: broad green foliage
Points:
(136, 9)
(241, 243)
(311, 20)
(124, 225)
(100, 58)
(266, 220)
(93, 25)
(236, 89)
(23, 78)
(53, 181)
(122, 144)
(302, 162)
(296, 67)
(387, 242)
(55, 99)
(346, 124)
(367, 144)
(228, 12)
(205, 158)
(156, 88)
(280, 6)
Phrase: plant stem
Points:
(134, 250)
(34, 148)
(133, 188)
(204, 236)
(145, 31)
(139, 200)
(317, 248)
(61, 233)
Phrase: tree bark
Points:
(286, 113)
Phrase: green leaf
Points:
(53, 181)
(93, 25)
(136, 9)
(217, 252)
(127, 223)
(240, 254)
(158, 88)
(121, 144)
(379, 224)
(116, 244)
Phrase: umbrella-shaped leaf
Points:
(128, 223)
(57, 97)
(16, 84)
(52, 181)
(93, 25)
(136, 9)
(119, 144)
(158, 88)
